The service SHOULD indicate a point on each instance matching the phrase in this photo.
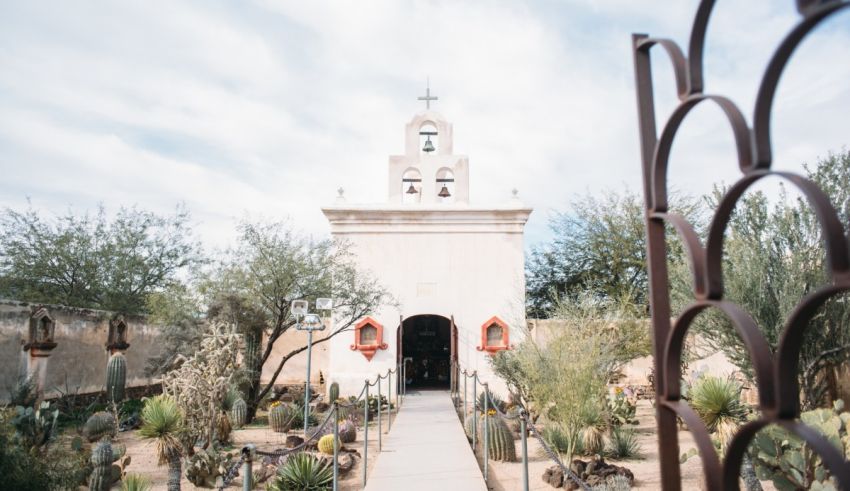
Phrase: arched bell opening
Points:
(445, 186)
(428, 138)
(427, 347)
(411, 186)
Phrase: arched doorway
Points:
(428, 345)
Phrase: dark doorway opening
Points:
(427, 350)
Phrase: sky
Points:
(261, 109)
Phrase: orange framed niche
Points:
(368, 338)
(495, 336)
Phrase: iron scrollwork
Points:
(778, 389)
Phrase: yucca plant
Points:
(161, 422)
(303, 471)
(561, 441)
(135, 482)
(717, 401)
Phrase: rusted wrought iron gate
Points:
(776, 375)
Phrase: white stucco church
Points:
(455, 269)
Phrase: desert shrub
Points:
(614, 483)
(302, 471)
(623, 444)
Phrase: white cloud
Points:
(268, 107)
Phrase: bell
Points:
(411, 189)
(444, 193)
(429, 145)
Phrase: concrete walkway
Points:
(426, 449)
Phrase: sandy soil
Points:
(507, 476)
(144, 460)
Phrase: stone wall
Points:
(77, 362)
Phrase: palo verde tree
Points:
(91, 260)
(254, 285)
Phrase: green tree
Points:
(774, 256)
(92, 261)
(272, 265)
(599, 247)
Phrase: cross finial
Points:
(428, 97)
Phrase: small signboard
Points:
(299, 307)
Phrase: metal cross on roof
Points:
(428, 97)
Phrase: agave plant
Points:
(135, 482)
(303, 471)
(161, 422)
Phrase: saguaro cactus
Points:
(116, 377)
(333, 393)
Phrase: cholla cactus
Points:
(200, 384)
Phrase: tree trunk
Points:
(175, 472)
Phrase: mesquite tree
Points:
(256, 282)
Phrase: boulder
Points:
(293, 441)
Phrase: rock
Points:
(346, 463)
(293, 441)
(322, 407)
(554, 476)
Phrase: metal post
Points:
(474, 409)
(404, 380)
(365, 432)
(399, 381)
(389, 400)
(307, 389)
(336, 446)
(486, 455)
(524, 434)
(247, 470)
(378, 385)
(464, 399)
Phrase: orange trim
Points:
(370, 349)
(504, 345)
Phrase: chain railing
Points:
(249, 452)
(526, 426)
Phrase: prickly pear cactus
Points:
(99, 425)
(347, 431)
(281, 417)
(238, 413)
(333, 393)
(116, 377)
(501, 440)
(101, 459)
(326, 444)
(788, 461)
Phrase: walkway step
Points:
(427, 449)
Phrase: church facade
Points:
(454, 269)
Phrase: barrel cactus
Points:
(116, 377)
(500, 438)
(326, 444)
(103, 474)
(99, 425)
(239, 413)
(333, 393)
(281, 417)
(347, 431)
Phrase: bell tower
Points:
(428, 173)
